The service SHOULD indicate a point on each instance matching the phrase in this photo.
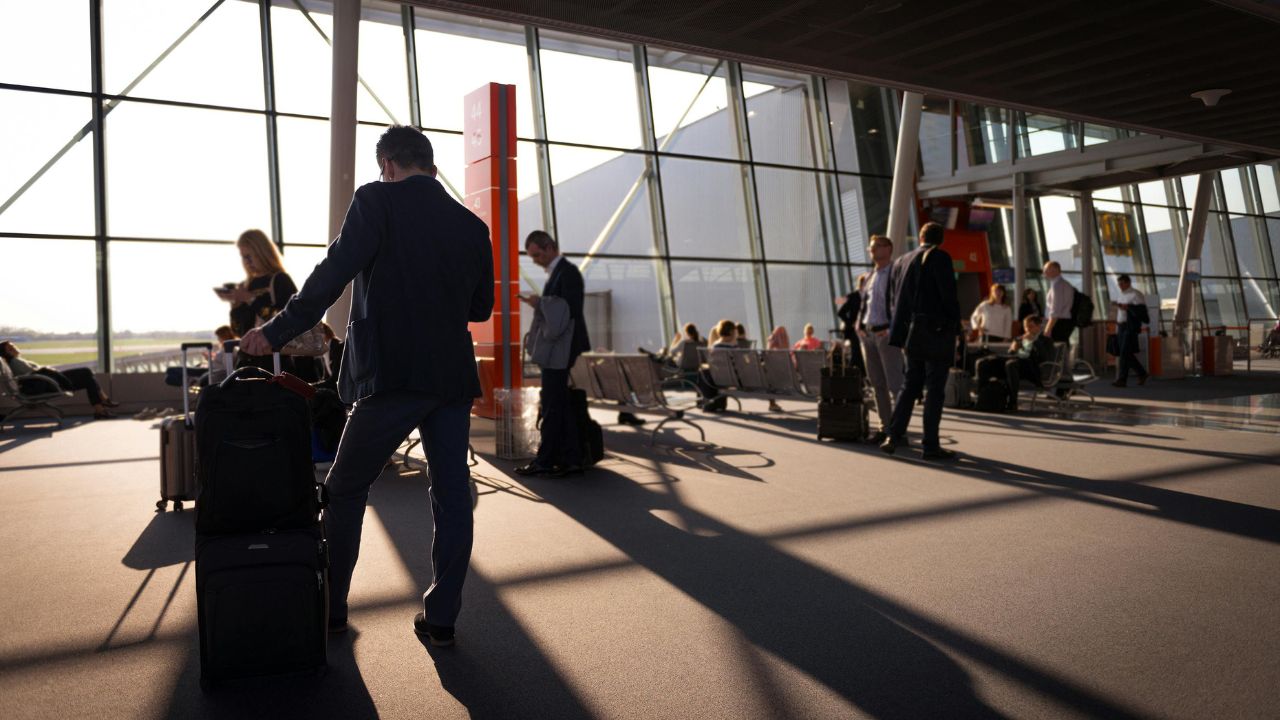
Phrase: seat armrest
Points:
(54, 387)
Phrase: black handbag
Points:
(928, 335)
(1113, 344)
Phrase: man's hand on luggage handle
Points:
(255, 343)
(530, 298)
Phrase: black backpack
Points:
(992, 397)
(590, 430)
(1081, 308)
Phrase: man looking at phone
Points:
(560, 453)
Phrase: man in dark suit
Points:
(422, 266)
(560, 453)
(924, 295)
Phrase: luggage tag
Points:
(293, 383)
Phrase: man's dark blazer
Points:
(566, 282)
(936, 281)
(423, 268)
(848, 313)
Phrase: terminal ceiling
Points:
(1130, 63)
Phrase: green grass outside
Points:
(121, 347)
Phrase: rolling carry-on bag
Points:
(253, 438)
(263, 604)
(847, 421)
(178, 476)
(261, 557)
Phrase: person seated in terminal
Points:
(741, 334)
(778, 340)
(808, 342)
(68, 380)
(1030, 304)
(684, 351)
(993, 318)
(1026, 353)
(726, 332)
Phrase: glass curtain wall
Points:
(1141, 231)
(688, 188)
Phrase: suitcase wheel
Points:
(160, 505)
(177, 506)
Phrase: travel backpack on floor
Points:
(591, 432)
(993, 396)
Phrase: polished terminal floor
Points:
(1117, 563)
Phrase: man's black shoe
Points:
(533, 468)
(938, 454)
(626, 418)
(889, 446)
(437, 635)
(878, 438)
(560, 471)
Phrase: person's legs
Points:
(912, 387)
(1129, 355)
(445, 433)
(551, 398)
(880, 383)
(83, 379)
(376, 427)
(935, 384)
(1013, 376)
(893, 362)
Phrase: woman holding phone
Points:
(264, 291)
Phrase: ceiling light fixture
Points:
(1211, 97)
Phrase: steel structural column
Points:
(546, 194)
(273, 146)
(1019, 237)
(904, 171)
(1088, 240)
(1195, 242)
(342, 136)
(652, 173)
(100, 190)
(409, 25)
(742, 131)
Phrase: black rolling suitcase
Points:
(261, 557)
(178, 446)
(842, 410)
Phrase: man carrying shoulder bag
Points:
(925, 324)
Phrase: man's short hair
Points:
(1124, 278)
(542, 239)
(932, 233)
(1053, 264)
(726, 327)
(1034, 319)
(881, 240)
(407, 147)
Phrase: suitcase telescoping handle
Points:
(186, 389)
(229, 351)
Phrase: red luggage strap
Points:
(294, 383)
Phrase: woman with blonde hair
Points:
(264, 291)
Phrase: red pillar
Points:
(490, 153)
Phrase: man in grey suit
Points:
(882, 360)
(422, 266)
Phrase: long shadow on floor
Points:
(496, 670)
(879, 655)
(1207, 512)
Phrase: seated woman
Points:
(726, 335)
(808, 342)
(69, 380)
(993, 318)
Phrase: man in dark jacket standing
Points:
(422, 267)
(925, 302)
(560, 453)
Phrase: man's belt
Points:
(877, 328)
